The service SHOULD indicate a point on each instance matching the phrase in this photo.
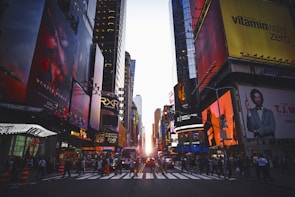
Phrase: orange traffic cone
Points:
(61, 168)
(25, 175)
(5, 177)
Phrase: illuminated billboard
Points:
(267, 112)
(79, 108)
(17, 43)
(95, 109)
(259, 29)
(53, 64)
(109, 120)
(222, 108)
(210, 45)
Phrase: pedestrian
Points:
(184, 164)
(131, 166)
(229, 167)
(96, 162)
(214, 166)
(15, 169)
(41, 168)
(83, 165)
(136, 166)
(99, 166)
(67, 167)
(79, 166)
(105, 166)
(118, 166)
(256, 166)
(263, 165)
(220, 167)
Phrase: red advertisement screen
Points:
(79, 110)
(210, 45)
(53, 64)
(211, 118)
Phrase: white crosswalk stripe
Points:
(146, 176)
(179, 175)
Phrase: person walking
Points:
(220, 167)
(131, 166)
(263, 165)
(83, 165)
(96, 163)
(118, 166)
(184, 164)
(41, 168)
(136, 166)
(256, 166)
(67, 168)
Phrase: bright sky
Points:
(148, 40)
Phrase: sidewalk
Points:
(281, 179)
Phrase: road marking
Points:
(85, 176)
(180, 176)
(118, 176)
(170, 176)
(149, 175)
(139, 176)
(108, 176)
(94, 177)
(128, 176)
(191, 176)
(160, 176)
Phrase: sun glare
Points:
(148, 144)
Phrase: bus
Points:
(127, 154)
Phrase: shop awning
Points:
(30, 129)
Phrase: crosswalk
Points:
(141, 176)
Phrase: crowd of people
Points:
(259, 165)
(242, 165)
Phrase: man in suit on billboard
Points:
(260, 121)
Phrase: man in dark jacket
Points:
(68, 167)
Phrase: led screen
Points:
(79, 108)
(222, 108)
(251, 27)
(53, 64)
(17, 43)
(210, 45)
(96, 96)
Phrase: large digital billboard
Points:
(221, 109)
(268, 112)
(196, 11)
(95, 109)
(53, 64)
(79, 107)
(19, 26)
(261, 29)
(210, 45)
(109, 120)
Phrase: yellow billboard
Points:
(259, 30)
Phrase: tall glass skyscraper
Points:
(184, 53)
(109, 34)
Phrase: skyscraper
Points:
(109, 34)
(184, 53)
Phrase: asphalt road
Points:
(148, 184)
